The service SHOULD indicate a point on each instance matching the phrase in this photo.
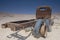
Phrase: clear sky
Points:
(27, 6)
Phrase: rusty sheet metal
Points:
(43, 12)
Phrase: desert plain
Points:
(5, 33)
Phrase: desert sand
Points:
(5, 33)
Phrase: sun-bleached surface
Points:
(5, 34)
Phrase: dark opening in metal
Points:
(43, 9)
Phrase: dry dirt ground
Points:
(5, 34)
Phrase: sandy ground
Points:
(5, 34)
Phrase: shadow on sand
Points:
(20, 37)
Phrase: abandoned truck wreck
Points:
(41, 24)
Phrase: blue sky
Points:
(27, 6)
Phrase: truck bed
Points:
(17, 25)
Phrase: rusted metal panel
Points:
(43, 12)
